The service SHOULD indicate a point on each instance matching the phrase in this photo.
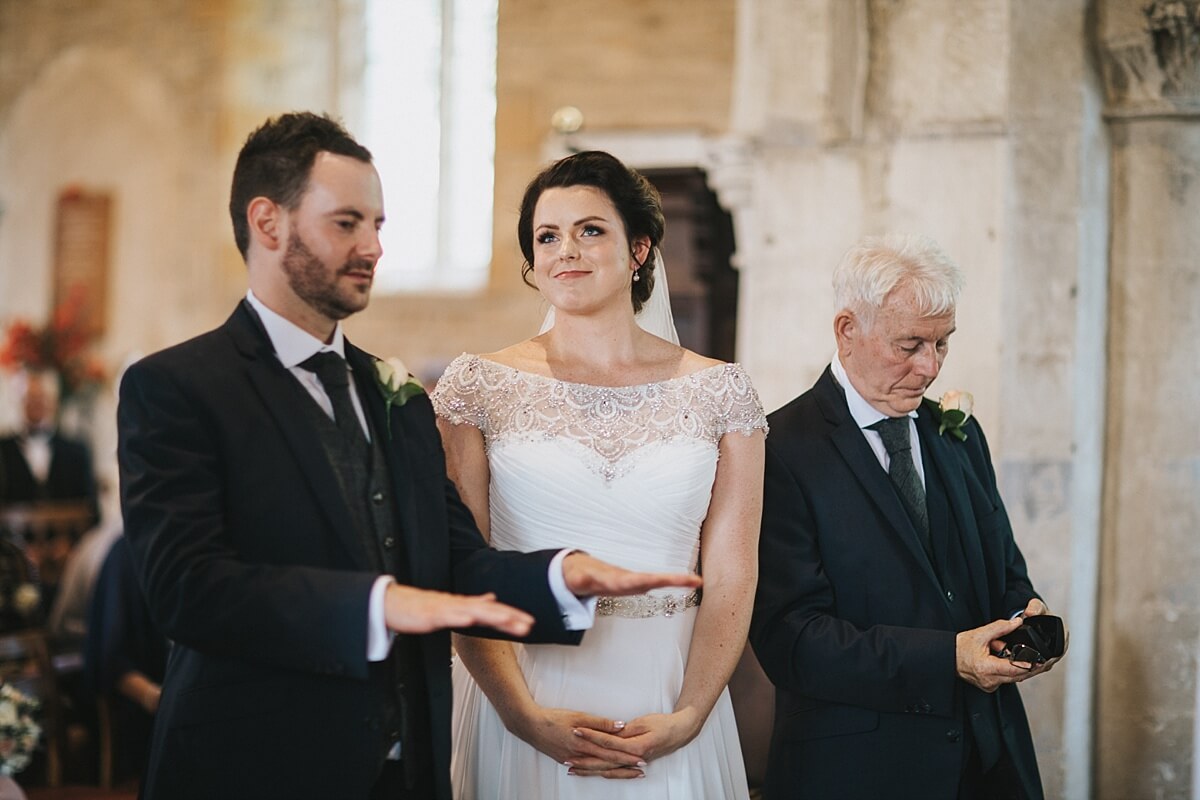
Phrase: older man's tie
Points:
(903, 472)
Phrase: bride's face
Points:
(582, 260)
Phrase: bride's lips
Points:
(571, 273)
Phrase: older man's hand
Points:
(977, 661)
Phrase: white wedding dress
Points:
(625, 474)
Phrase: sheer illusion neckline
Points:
(623, 387)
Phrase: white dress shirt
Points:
(866, 415)
(294, 345)
(35, 447)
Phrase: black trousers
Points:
(1001, 782)
(390, 784)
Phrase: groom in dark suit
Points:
(293, 525)
(888, 570)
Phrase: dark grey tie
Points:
(331, 369)
(903, 472)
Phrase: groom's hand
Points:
(586, 577)
(411, 610)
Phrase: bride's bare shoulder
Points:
(527, 356)
(694, 362)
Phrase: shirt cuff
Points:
(379, 638)
(577, 614)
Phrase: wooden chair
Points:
(47, 531)
(107, 742)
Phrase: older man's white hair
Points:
(878, 264)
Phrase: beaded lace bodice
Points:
(612, 423)
(625, 473)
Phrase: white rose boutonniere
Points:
(954, 410)
(396, 384)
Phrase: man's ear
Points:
(265, 218)
(846, 329)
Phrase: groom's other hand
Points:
(586, 577)
(411, 610)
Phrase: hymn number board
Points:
(81, 253)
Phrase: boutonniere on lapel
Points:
(396, 384)
(953, 411)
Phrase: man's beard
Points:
(309, 278)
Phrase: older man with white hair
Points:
(889, 574)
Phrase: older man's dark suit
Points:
(250, 559)
(856, 627)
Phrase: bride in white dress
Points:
(601, 436)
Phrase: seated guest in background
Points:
(67, 621)
(38, 463)
(889, 572)
(125, 658)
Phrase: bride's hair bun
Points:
(634, 197)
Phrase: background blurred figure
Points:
(38, 463)
(66, 623)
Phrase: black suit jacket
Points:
(246, 550)
(851, 623)
(70, 477)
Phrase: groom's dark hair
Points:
(277, 159)
(635, 198)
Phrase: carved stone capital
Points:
(1151, 61)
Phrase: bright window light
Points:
(430, 121)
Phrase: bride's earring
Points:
(637, 275)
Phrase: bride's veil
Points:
(655, 316)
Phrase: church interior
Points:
(1052, 147)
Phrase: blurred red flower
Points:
(62, 345)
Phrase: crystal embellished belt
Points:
(644, 606)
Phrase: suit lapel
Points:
(283, 397)
(19, 472)
(392, 442)
(937, 450)
(849, 440)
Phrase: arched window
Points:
(429, 119)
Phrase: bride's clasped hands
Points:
(644, 738)
(569, 737)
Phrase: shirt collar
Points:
(865, 415)
(292, 343)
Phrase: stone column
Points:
(1052, 366)
(1150, 593)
